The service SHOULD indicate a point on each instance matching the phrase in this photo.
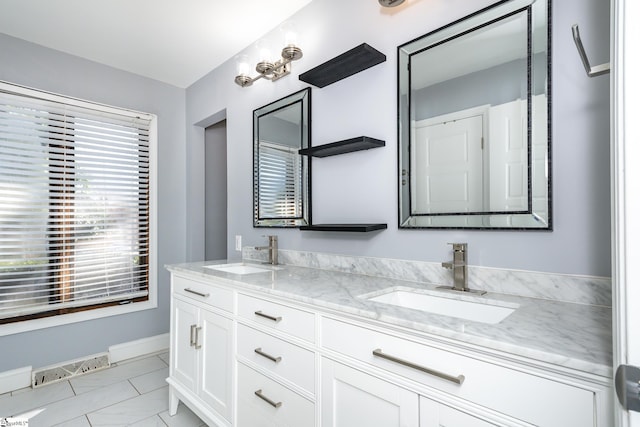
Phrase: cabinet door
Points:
(214, 342)
(434, 414)
(184, 357)
(353, 398)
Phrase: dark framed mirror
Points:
(281, 184)
(474, 144)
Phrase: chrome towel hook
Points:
(594, 71)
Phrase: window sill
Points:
(81, 316)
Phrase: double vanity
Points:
(300, 344)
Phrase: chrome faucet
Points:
(272, 248)
(459, 267)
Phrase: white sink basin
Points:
(241, 268)
(465, 307)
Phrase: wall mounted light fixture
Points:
(267, 69)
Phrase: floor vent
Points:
(70, 369)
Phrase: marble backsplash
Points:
(534, 284)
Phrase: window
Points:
(280, 181)
(75, 205)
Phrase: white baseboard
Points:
(15, 379)
(141, 347)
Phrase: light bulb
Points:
(242, 65)
(290, 34)
(264, 51)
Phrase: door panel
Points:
(215, 341)
(450, 176)
(626, 199)
(353, 398)
(184, 359)
(508, 189)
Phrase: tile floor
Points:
(130, 393)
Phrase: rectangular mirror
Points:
(473, 122)
(281, 175)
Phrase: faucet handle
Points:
(460, 247)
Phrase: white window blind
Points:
(74, 205)
(280, 181)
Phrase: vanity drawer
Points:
(280, 317)
(278, 405)
(204, 292)
(528, 397)
(280, 357)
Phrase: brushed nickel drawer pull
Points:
(266, 399)
(192, 342)
(197, 345)
(200, 294)
(267, 316)
(458, 380)
(268, 356)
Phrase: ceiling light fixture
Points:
(390, 3)
(266, 68)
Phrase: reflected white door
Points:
(508, 158)
(446, 167)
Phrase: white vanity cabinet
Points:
(242, 357)
(276, 364)
(201, 350)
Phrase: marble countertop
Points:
(569, 335)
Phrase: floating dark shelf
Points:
(342, 66)
(362, 228)
(342, 147)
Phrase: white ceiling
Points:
(174, 41)
(490, 46)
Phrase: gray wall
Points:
(41, 68)
(215, 229)
(361, 187)
(496, 85)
